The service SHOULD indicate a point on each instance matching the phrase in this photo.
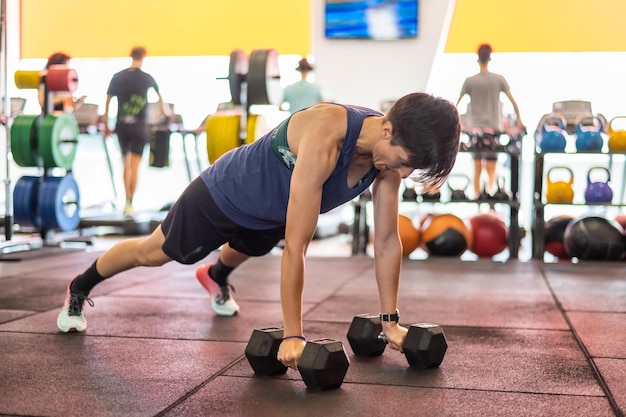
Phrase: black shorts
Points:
(195, 226)
(132, 137)
(486, 156)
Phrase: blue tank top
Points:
(251, 183)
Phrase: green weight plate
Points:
(58, 140)
(24, 140)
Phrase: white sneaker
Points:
(222, 301)
(71, 318)
(128, 209)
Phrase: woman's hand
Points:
(290, 351)
(394, 334)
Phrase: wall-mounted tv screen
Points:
(371, 19)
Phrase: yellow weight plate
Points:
(256, 127)
(27, 79)
(222, 133)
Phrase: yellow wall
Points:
(88, 28)
(538, 25)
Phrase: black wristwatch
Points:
(390, 317)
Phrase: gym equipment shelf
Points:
(512, 148)
(539, 205)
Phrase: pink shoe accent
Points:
(202, 273)
(222, 300)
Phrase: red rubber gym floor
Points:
(525, 339)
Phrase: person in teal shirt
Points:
(303, 93)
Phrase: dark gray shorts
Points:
(132, 137)
(195, 226)
(486, 155)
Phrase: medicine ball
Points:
(490, 234)
(409, 235)
(594, 238)
(553, 238)
(445, 235)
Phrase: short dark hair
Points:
(57, 58)
(428, 128)
(138, 52)
(484, 53)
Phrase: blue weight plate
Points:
(25, 202)
(59, 203)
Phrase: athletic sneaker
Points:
(128, 209)
(222, 301)
(71, 318)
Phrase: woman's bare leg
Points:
(130, 253)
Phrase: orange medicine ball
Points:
(445, 235)
(409, 235)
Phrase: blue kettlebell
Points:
(598, 192)
(589, 134)
(552, 136)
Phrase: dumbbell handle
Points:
(381, 336)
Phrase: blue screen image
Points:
(371, 19)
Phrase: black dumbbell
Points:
(323, 364)
(424, 346)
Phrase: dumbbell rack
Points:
(539, 204)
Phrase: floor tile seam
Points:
(413, 386)
(34, 313)
(610, 358)
(127, 337)
(484, 390)
(406, 324)
(197, 388)
(590, 360)
(535, 329)
(336, 290)
(619, 313)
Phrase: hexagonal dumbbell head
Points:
(262, 351)
(323, 364)
(363, 335)
(425, 345)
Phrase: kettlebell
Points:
(617, 138)
(598, 191)
(552, 136)
(458, 194)
(589, 135)
(560, 191)
(501, 194)
(431, 198)
(409, 194)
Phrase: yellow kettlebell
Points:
(560, 191)
(617, 138)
